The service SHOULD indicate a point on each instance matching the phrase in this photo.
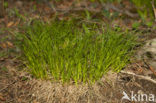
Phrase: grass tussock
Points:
(65, 52)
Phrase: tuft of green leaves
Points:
(62, 51)
(144, 8)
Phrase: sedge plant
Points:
(62, 51)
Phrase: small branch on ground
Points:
(140, 76)
(121, 10)
(78, 9)
(154, 72)
(154, 9)
(107, 6)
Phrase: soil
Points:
(18, 86)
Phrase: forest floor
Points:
(18, 86)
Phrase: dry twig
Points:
(121, 10)
(140, 76)
(150, 68)
(154, 8)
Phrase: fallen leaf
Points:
(10, 44)
(3, 45)
(140, 70)
(10, 24)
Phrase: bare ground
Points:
(20, 87)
